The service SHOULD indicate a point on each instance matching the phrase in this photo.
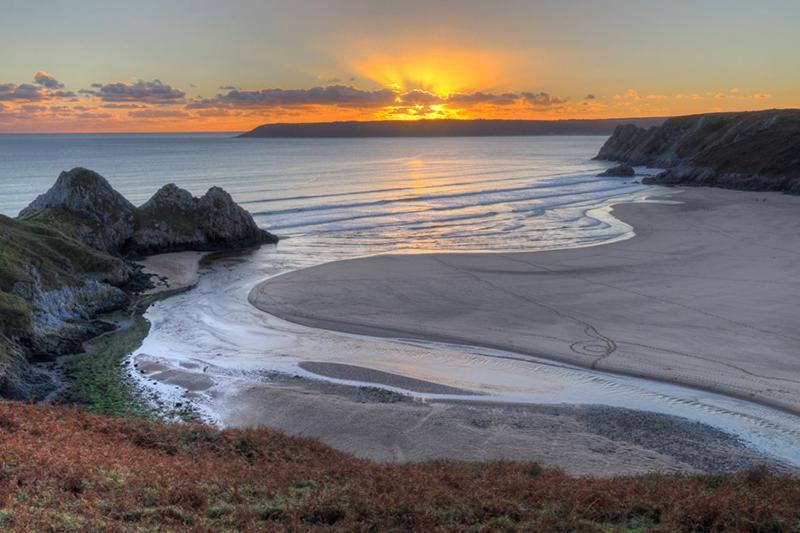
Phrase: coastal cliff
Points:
(68, 257)
(757, 150)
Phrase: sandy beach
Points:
(700, 296)
(704, 295)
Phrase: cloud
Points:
(94, 115)
(151, 92)
(122, 106)
(761, 96)
(693, 96)
(26, 92)
(632, 94)
(590, 97)
(214, 113)
(348, 96)
(336, 95)
(46, 80)
(485, 98)
(542, 99)
(418, 97)
(158, 113)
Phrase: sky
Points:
(197, 65)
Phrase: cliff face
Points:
(757, 150)
(51, 286)
(62, 262)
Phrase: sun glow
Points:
(419, 112)
(432, 76)
(440, 73)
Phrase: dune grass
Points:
(66, 469)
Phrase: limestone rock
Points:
(173, 220)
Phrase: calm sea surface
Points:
(376, 194)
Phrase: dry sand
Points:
(707, 294)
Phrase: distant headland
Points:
(447, 128)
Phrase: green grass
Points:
(98, 380)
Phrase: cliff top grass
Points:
(65, 469)
(35, 253)
(56, 256)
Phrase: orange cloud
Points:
(451, 85)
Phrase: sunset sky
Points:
(229, 66)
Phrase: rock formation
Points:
(66, 258)
(758, 150)
(623, 170)
(173, 220)
(83, 205)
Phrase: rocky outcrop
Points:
(65, 259)
(622, 170)
(758, 150)
(83, 205)
(173, 220)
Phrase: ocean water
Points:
(337, 199)
(375, 194)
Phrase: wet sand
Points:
(369, 375)
(385, 426)
(173, 271)
(704, 295)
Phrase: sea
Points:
(417, 194)
(334, 199)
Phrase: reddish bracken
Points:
(61, 469)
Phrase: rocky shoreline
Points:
(70, 256)
(753, 151)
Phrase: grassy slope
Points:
(34, 253)
(62, 468)
(57, 259)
